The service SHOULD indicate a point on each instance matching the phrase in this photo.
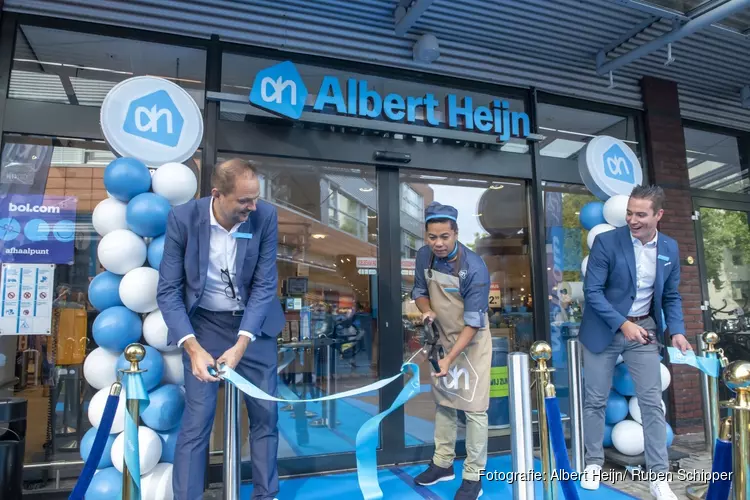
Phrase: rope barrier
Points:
(554, 420)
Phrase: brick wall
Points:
(84, 182)
(667, 166)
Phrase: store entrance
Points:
(723, 233)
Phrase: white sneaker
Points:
(591, 476)
(660, 490)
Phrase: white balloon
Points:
(627, 437)
(635, 410)
(596, 231)
(155, 331)
(121, 251)
(666, 377)
(615, 210)
(175, 182)
(157, 484)
(584, 265)
(138, 289)
(108, 216)
(174, 372)
(149, 449)
(100, 368)
(96, 410)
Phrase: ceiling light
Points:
(318, 236)
(497, 186)
(365, 190)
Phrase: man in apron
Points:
(451, 289)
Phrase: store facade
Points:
(350, 157)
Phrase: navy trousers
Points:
(216, 332)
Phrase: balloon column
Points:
(610, 170)
(132, 224)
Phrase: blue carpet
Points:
(398, 483)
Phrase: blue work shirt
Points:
(474, 281)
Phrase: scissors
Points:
(431, 339)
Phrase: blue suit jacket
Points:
(610, 288)
(183, 269)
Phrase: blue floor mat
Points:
(398, 483)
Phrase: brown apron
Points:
(467, 385)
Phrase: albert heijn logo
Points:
(617, 165)
(280, 90)
(156, 118)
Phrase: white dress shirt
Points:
(222, 255)
(645, 275)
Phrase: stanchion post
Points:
(710, 389)
(575, 388)
(737, 379)
(232, 461)
(521, 433)
(541, 352)
(134, 354)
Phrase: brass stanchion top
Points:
(541, 352)
(737, 376)
(134, 354)
(711, 339)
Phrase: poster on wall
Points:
(26, 301)
(36, 229)
(24, 168)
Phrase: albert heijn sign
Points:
(280, 90)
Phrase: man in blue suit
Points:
(218, 295)
(631, 288)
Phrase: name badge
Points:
(664, 258)
(244, 236)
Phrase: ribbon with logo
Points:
(367, 436)
(134, 391)
(709, 366)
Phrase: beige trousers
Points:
(476, 440)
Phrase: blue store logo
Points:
(280, 90)
(617, 165)
(156, 118)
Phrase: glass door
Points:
(723, 234)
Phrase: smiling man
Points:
(217, 293)
(631, 289)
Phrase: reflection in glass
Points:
(492, 221)
(327, 263)
(713, 162)
(49, 370)
(566, 249)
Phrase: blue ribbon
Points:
(719, 489)
(554, 421)
(134, 390)
(367, 436)
(708, 365)
(97, 449)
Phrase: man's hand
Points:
(680, 342)
(234, 354)
(200, 360)
(634, 333)
(444, 364)
(428, 316)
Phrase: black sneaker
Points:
(469, 490)
(434, 474)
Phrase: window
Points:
(81, 68)
(713, 162)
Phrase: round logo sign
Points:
(609, 167)
(151, 119)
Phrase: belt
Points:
(241, 312)
(635, 319)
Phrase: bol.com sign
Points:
(155, 117)
(29, 208)
(617, 165)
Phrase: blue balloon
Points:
(147, 214)
(670, 435)
(126, 178)
(88, 442)
(105, 485)
(152, 362)
(155, 252)
(622, 381)
(116, 327)
(165, 408)
(104, 291)
(592, 214)
(168, 445)
(607, 443)
(617, 408)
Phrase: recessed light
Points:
(497, 186)
(365, 190)
(319, 236)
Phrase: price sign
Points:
(494, 295)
